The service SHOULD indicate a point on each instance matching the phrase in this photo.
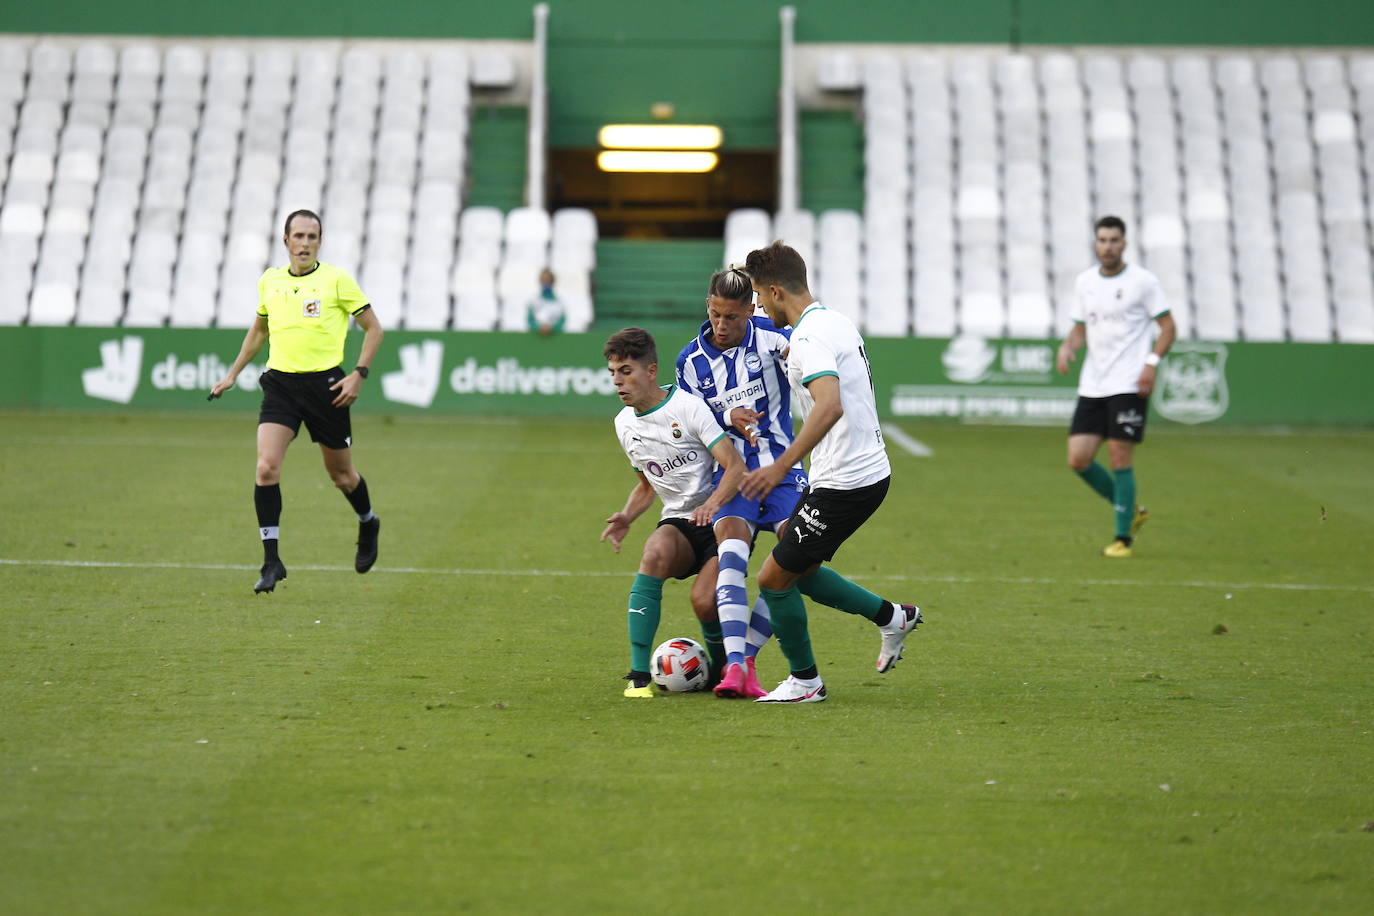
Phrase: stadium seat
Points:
(517, 282)
(526, 236)
(839, 249)
(745, 230)
(479, 236)
(475, 304)
(493, 69)
(428, 302)
(838, 72)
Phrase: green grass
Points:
(1067, 734)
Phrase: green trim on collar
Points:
(806, 311)
(668, 388)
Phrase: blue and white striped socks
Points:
(760, 628)
(732, 603)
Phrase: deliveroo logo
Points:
(1191, 386)
(418, 380)
(968, 359)
(116, 378)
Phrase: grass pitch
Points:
(1185, 731)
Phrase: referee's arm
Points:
(252, 343)
(351, 385)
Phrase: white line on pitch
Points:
(601, 573)
(911, 446)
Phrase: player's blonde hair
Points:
(731, 283)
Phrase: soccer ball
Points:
(680, 666)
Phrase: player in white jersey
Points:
(671, 439)
(736, 364)
(1115, 309)
(829, 372)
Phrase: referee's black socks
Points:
(359, 500)
(267, 500)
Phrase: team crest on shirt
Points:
(677, 431)
(753, 362)
(311, 308)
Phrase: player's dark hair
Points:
(777, 265)
(632, 343)
(286, 230)
(731, 283)
(1110, 222)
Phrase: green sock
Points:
(646, 598)
(714, 641)
(1124, 501)
(789, 626)
(1096, 476)
(825, 586)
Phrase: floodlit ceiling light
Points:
(660, 136)
(624, 160)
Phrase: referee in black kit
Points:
(304, 309)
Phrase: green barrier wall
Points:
(967, 379)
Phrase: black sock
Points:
(359, 500)
(884, 617)
(1126, 540)
(267, 501)
(807, 674)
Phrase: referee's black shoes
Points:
(272, 573)
(367, 544)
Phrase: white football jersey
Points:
(852, 454)
(671, 446)
(1118, 313)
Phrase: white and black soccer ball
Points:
(680, 665)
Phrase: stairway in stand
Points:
(654, 283)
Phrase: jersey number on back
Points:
(867, 367)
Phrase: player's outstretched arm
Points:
(252, 344)
(618, 524)
(733, 473)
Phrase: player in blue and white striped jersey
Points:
(736, 364)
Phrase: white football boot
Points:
(796, 690)
(905, 618)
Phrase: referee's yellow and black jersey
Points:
(307, 316)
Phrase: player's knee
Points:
(1080, 463)
(773, 578)
(344, 480)
(734, 554)
(655, 562)
(704, 606)
(268, 472)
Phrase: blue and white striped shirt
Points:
(753, 375)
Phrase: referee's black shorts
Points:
(292, 398)
(823, 520)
